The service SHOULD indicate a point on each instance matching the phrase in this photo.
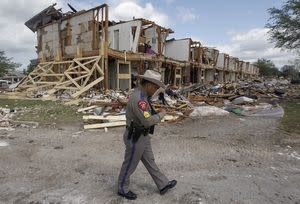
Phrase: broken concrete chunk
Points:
(242, 100)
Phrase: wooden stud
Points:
(105, 125)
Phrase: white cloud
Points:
(126, 10)
(186, 14)
(19, 42)
(254, 44)
(16, 39)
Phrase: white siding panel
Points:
(178, 49)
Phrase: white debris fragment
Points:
(242, 100)
(208, 111)
(3, 144)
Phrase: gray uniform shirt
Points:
(138, 110)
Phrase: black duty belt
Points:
(134, 132)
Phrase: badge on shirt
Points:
(146, 114)
(142, 105)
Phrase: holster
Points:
(151, 129)
(135, 131)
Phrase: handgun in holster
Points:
(134, 132)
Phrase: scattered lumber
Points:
(86, 109)
(105, 125)
(109, 117)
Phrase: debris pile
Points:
(106, 109)
(250, 107)
(245, 98)
(5, 118)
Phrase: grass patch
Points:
(41, 111)
(291, 119)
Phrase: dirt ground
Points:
(228, 159)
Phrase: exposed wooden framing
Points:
(88, 66)
(123, 75)
(142, 56)
(84, 89)
(106, 47)
(41, 75)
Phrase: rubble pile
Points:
(106, 109)
(5, 117)
(246, 98)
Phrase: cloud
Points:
(126, 10)
(254, 44)
(186, 14)
(16, 39)
(19, 42)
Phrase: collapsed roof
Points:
(44, 17)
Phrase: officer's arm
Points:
(144, 115)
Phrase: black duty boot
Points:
(170, 185)
(129, 195)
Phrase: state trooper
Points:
(140, 121)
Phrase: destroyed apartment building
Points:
(79, 50)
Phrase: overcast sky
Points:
(233, 26)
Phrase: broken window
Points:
(153, 40)
(133, 31)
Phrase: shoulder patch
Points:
(143, 105)
(146, 114)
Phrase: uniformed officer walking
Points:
(141, 119)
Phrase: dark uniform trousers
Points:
(141, 150)
(140, 112)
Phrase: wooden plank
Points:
(86, 108)
(124, 76)
(105, 125)
(87, 87)
(64, 87)
(72, 80)
(82, 65)
(46, 82)
(99, 69)
(69, 82)
(63, 62)
(31, 79)
(109, 117)
(54, 74)
(86, 58)
(73, 102)
(88, 77)
(81, 72)
(78, 65)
